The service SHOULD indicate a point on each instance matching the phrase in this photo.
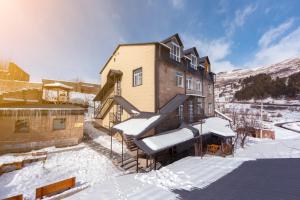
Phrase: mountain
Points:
(228, 82)
(281, 69)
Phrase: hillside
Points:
(281, 69)
(230, 82)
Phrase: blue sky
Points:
(68, 39)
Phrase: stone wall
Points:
(40, 134)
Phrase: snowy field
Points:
(192, 172)
(86, 165)
(295, 126)
(107, 182)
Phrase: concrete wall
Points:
(41, 133)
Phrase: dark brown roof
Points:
(165, 111)
(190, 51)
(126, 105)
(170, 38)
(202, 60)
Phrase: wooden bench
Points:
(9, 167)
(17, 197)
(55, 188)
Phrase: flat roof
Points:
(41, 107)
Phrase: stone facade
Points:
(41, 132)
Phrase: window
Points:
(194, 62)
(189, 83)
(210, 109)
(191, 114)
(179, 79)
(59, 124)
(210, 89)
(22, 126)
(180, 112)
(198, 86)
(175, 52)
(199, 106)
(137, 77)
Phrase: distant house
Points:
(27, 121)
(11, 71)
(27, 127)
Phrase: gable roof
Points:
(191, 50)
(171, 37)
(202, 59)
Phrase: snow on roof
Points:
(217, 126)
(57, 84)
(223, 115)
(196, 95)
(135, 112)
(135, 126)
(172, 138)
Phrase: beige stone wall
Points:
(209, 98)
(41, 133)
(127, 59)
(167, 83)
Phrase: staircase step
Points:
(130, 165)
(128, 162)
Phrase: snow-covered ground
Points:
(293, 126)
(107, 182)
(102, 138)
(85, 164)
(192, 172)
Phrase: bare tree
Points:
(245, 126)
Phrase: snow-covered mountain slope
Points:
(228, 82)
(281, 69)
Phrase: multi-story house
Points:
(154, 77)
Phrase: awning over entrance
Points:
(157, 143)
(145, 121)
(216, 126)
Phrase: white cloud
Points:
(274, 33)
(178, 4)
(240, 17)
(286, 47)
(216, 50)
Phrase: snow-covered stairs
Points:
(129, 161)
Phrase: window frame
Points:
(134, 84)
(210, 108)
(198, 86)
(59, 118)
(180, 112)
(193, 65)
(174, 50)
(27, 128)
(189, 86)
(210, 89)
(191, 110)
(179, 75)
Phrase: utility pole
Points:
(261, 118)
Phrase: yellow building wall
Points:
(127, 59)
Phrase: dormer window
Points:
(194, 62)
(175, 52)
